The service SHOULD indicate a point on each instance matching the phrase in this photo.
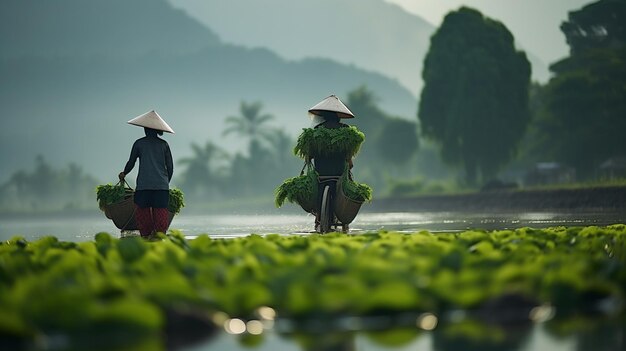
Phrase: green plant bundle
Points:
(356, 191)
(299, 190)
(49, 286)
(177, 200)
(108, 194)
(315, 142)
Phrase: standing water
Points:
(83, 228)
(429, 333)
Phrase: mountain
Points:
(117, 28)
(73, 76)
(372, 34)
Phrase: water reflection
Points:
(509, 325)
(571, 334)
(81, 228)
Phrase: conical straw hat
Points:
(152, 120)
(333, 104)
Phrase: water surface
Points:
(82, 228)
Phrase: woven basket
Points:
(122, 214)
(308, 205)
(346, 209)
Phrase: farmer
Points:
(155, 172)
(327, 114)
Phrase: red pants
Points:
(151, 220)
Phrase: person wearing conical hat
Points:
(155, 172)
(328, 114)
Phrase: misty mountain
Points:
(69, 86)
(117, 28)
(372, 34)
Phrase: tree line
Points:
(479, 106)
(478, 110)
(211, 173)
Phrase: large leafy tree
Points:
(599, 25)
(584, 106)
(475, 97)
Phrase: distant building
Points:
(544, 173)
(613, 168)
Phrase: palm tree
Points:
(250, 124)
(203, 172)
(282, 146)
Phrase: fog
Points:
(535, 23)
(74, 71)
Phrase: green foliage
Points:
(108, 194)
(176, 201)
(597, 25)
(250, 124)
(130, 285)
(407, 187)
(397, 141)
(203, 169)
(578, 118)
(131, 249)
(299, 190)
(314, 142)
(47, 188)
(302, 190)
(475, 97)
(356, 191)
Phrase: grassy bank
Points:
(570, 199)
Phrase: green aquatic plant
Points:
(300, 190)
(108, 194)
(52, 286)
(314, 142)
(356, 191)
(176, 201)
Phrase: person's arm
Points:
(134, 154)
(169, 163)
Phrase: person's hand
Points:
(121, 176)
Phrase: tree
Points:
(363, 103)
(282, 147)
(475, 97)
(202, 173)
(250, 124)
(597, 25)
(48, 189)
(389, 141)
(582, 119)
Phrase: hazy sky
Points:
(534, 23)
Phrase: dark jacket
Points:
(333, 164)
(155, 163)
